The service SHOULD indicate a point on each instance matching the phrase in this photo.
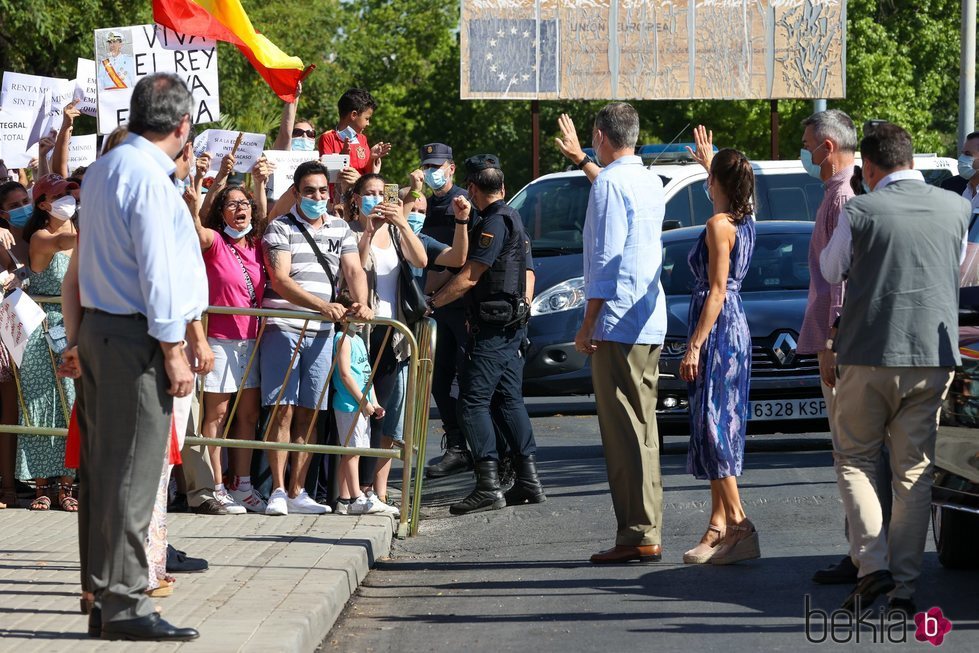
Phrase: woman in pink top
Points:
(230, 239)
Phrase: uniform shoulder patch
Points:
(485, 239)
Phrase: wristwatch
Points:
(581, 165)
(458, 221)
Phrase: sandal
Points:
(40, 504)
(162, 590)
(67, 502)
(707, 547)
(740, 543)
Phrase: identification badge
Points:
(485, 239)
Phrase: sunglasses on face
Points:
(308, 133)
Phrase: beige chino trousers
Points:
(896, 406)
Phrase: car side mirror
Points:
(671, 224)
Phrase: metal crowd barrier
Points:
(421, 343)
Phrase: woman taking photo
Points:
(229, 237)
(51, 237)
(717, 364)
(386, 239)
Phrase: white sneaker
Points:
(376, 506)
(360, 506)
(249, 498)
(278, 503)
(226, 500)
(343, 508)
(303, 504)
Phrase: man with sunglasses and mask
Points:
(491, 380)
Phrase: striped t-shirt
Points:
(334, 239)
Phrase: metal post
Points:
(773, 107)
(818, 106)
(967, 72)
(535, 138)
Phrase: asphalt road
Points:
(518, 579)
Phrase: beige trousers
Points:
(625, 378)
(896, 406)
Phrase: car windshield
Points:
(780, 262)
(553, 212)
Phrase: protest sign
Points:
(19, 316)
(44, 121)
(220, 142)
(26, 93)
(82, 151)
(124, 55)
(15, 127)
(286, 162)
(85, 85)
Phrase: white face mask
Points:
(966, 164)
(63, 208)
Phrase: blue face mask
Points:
(965, 166)
(416, 221)
(303, 144)
(18, 217)
(313, 209)
(813, 169)
(435, 178)
(707, 192)
(348, 134)
(235, 234)
(368, 202)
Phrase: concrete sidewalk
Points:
(274, 583)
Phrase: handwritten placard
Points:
(124, 55)
(85, 87)
(15, 127)
(19, 316)
(286, 162)
(220, 142)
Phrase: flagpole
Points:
(535, 138)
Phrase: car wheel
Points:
(955, 532)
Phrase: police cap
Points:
(435, 154)
(480, 162)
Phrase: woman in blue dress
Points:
(717, 363)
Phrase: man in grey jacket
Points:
(899, 248)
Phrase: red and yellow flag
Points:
(226, 20)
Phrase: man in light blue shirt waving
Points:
(625, 323)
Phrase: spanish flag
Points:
(226, 20)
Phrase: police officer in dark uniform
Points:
(490, 382)
(437, 169)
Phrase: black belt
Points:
(128, 316)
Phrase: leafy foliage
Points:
(903, 58)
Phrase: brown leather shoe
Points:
(621, 553)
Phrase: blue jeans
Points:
(491, 391)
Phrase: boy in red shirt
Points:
(356, 107)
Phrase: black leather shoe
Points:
(527, 487)
(455, 460)
(486, 496)
(906, 606)
(842, 573)
(95, 622)
(179, 562)
(210, 507)
(150, 628)
(867, 590)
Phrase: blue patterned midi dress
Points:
(719, 396)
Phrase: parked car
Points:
(553, 209)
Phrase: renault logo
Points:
(784, 349)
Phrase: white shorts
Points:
(230, 360)
(361, 437)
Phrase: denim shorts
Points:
(231, 357)
(310, 370)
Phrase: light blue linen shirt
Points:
(623, 253)
(138, 249)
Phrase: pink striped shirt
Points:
(825, 299)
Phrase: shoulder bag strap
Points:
(319, 257)
(248, 278)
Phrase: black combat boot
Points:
(527, 488)
(455, 460)
(508, 472)
(486, 496)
